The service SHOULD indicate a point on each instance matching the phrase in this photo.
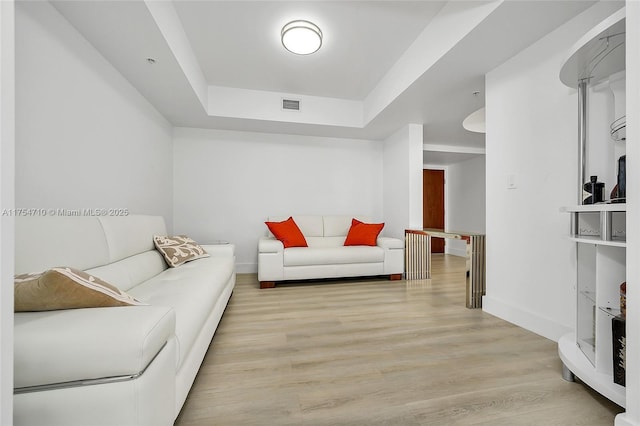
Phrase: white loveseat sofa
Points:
(121, 366)
(326, 256)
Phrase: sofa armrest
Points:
(390, 243)
(92, 343)
(270, 259)
(270, 245)
(393, 255)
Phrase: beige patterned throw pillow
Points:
(66, 288)
(179, 249)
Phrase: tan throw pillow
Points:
(179, 249)
(66, 288)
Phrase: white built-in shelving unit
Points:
(600, 233)
(599, 230)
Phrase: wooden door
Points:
(433, 205)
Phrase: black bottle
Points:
(622, 180)
(596, 191)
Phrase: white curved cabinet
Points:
(596, 66)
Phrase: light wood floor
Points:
(377, 352)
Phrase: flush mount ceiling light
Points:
(476, 122)
(301, 37)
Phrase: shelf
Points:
(591, 58)
(598, 241)
(579, 365)
(586, 208)
(598, 224)
(612, 312)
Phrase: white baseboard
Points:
(455, 252)
(246, 268)
(525, 319)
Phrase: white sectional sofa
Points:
(120, 366)
(326, 256)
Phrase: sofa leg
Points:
(395, 277)
(267, 284)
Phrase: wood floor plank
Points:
(379, 352)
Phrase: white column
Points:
(402, 180)
(415, 175)
(7, 173)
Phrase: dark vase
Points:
(596, 189)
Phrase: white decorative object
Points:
(476, 122)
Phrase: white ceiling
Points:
(238, 43)
(383, 64)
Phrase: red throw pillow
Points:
(288, 232)
(363, 234)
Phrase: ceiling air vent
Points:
(291, 104)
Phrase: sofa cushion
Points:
(130, 235)
(301, 256)
(43, 242)
(130, 272)
(83, 242)
(287, 232)
(206, 278)
(81, 344)
(66, 288)
(179, 249)
(335, 226)
(311, 226)
(325, 241)
(363, 234)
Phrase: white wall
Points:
(227, 183)
(7, 145)
(465, 201)
(85, 138)
(402, 188)
(532, 134)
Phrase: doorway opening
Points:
(433, 205)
